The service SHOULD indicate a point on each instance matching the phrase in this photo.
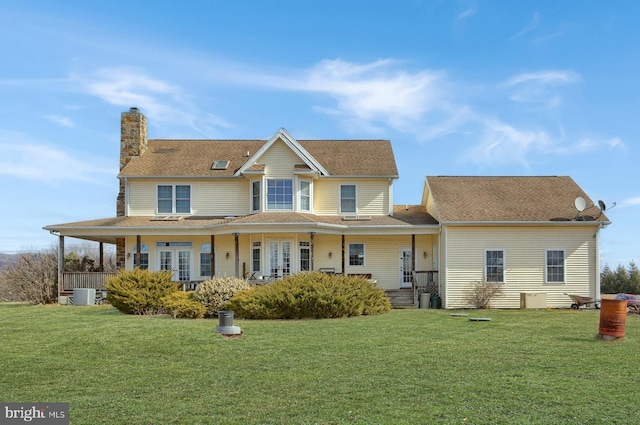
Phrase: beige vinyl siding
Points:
(279, 161)
(372, 196)
(215, 197)
(525, 262)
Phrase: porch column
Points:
(60, 265)
(101, 256)
(138, 250)
(344, 271)
(237, 254)
(311, 237)
(413, 254)
(213, 257)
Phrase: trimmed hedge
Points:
(140, 291)
(182, 305)
(310, 295)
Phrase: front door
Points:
(406, 277)
(178, 261)
(279, 258)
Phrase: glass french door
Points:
(178, 261)
(406, 277)
(279, 258)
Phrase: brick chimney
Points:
(133, 143)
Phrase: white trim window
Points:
(356, 254)
(205, 260)
(280, 194)
(174, 199)
(305, 256)
(144, 256)
(256, 199)
(256, 256)
(348, 198)
(304, 195)
(494, 265)
(555, 266)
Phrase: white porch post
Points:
(60, 265)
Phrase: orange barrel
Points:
(613, 316)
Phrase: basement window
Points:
(221, 164)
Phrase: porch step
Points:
(400, 298)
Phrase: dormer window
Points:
(220, 164)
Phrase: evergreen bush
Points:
(182, 305)
(311, 295)
(140, 291)
(215, 292)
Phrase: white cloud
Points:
(22, 158)
(530, 26)
(545, 78)
(63, 121)
(632, 201)
(467, 13)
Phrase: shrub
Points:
(182, 305)
(140, 291)
(311, 295)
(214, 293)
(33, 277)
(482, 293)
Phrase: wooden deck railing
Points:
(425, 281)
(95, 280)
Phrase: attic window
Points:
(221, 164)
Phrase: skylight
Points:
(220, 164)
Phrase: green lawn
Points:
(405, 367)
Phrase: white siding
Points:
(525, 262)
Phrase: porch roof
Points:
(405, 220)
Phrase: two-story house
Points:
(263, 209)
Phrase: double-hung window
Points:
(356, 254)
(255, 195)
(348, 198)
(280, 194)
(555, 266)
(205, 260)
(305, 196)
(305, 256)
(174, 199)
(494, 265)
(256, 256)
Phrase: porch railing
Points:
(95, 280)
(425, 281)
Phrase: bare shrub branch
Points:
(481, 293)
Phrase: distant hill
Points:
(7, 259)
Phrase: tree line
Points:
(622, 279)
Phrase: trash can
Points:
(424, 299)
(225, 324)
(435, 301)
(613, 317)
(225, 318)
(84, 296)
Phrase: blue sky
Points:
(459, 87)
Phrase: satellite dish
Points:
(580, 203)
(603, 207)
